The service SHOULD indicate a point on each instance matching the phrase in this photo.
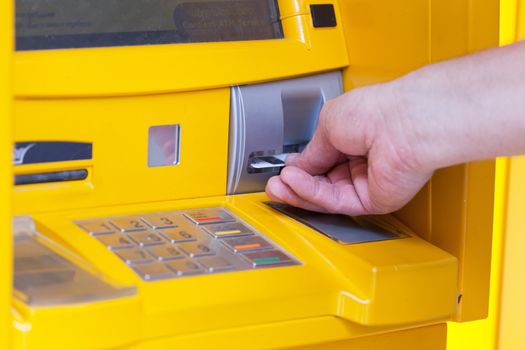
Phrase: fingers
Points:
(332, 173)
(301, 189)
(278, 191)
(358, 168)
(320, 155)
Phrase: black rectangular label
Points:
(52, 24)
(51, 151)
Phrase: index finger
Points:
(320, 155)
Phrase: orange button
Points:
(247, 246)
(216, 218)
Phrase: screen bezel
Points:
(153, 69)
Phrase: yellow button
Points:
(229, 229)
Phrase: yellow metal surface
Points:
(428, 338)
(389, 294)
(499, 330)
(6, 50)
(127, 70)
(101, 325)
(483, 334)
(512, 304)
(118, 129)
(326, 333)
(386, 40)
(370, 290)
(520, 20)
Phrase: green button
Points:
(266, 257)
(265, 260)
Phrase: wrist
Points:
(437, 117)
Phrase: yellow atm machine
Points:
(137, 138)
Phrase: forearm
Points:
(474, 107)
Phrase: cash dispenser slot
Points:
(269, 121)
(52, 176)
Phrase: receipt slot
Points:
(143, 137)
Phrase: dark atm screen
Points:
(58, 24)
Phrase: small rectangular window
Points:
(164, 145)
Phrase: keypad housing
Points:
(176, 244)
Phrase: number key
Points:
(96, 227)
(162, 220)
(195, 249)
(177, 235)
(129, 224)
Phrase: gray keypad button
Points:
(155, 271)
(146, 239)
(195, 249)
(115, 241)
(97, 227)
(208, 216)
(165, 252)
(229, 229)
(185, 267)
(215, 264)
(129, 224)
(177, 235)
(162, 220)
(134, 256)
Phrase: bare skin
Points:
(375, 147)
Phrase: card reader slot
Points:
(270, 119)
(266, 164)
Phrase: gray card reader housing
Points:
(271, 119)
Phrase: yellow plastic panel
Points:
(6, 175)
(462, 196)
(512, 288)
(508, 21)
(520, 20)
(372, 290)
(462, 26)
(462, 203)
(512, 304)
(484, 334)
(118, 129)
(384, 38)
(101, 325)
(325, 333)
(387, 39)
(168, 68)
(428, 338)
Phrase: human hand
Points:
(361, 159)
(375, 147)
